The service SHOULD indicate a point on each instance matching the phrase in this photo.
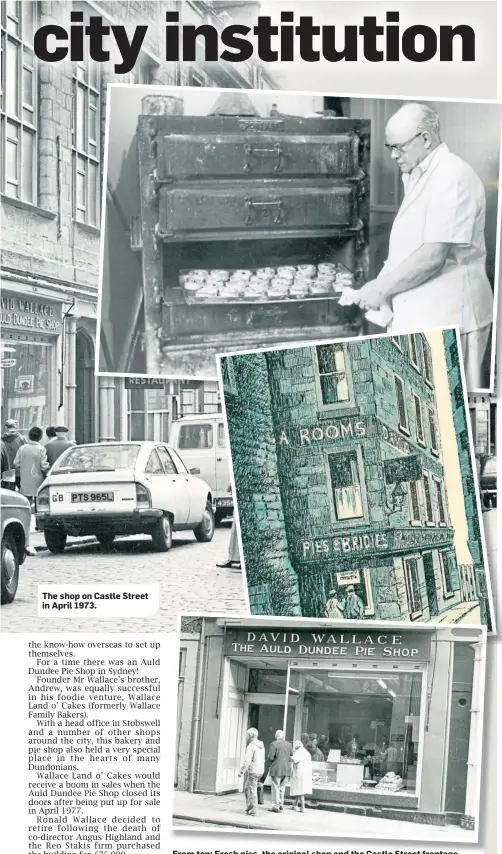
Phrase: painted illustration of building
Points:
(340, 482)
(52, 167)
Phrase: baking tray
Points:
(190, 299)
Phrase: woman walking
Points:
(301, 776)
(31, 464)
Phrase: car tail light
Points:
(42, 499)
(142, 496)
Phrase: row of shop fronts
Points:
(48, 372)
(377, 700)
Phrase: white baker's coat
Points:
(445, 203)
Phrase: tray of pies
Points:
(265, 284)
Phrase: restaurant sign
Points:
(30, 314)
(145, 382)
(345, 544)
(378, 644)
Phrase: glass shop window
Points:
(401, 404)
(331, 360)
(429, 515)
(419, 424)
(27, 386)
(345, 482)
(195, 436)
(362, 730)
(412, 582)
(414, 502)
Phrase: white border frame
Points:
(178, 92)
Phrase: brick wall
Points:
(261, 517)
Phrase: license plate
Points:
(91, 497)
(225, 502)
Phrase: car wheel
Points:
(105, 539)
(55, 541)
(205, 531)
(162, 536)
(10, 569)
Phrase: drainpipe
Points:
(197, 708)
(468, 820)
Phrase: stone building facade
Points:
(52, 126)
(352, 463)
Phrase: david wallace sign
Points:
(379, 645)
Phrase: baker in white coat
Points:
(435, 273)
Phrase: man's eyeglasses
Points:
(399, 149)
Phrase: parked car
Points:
(123, 488)
(488, 482)
(16, 520)
(202, 442)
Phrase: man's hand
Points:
(372, 295)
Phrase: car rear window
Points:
(195, 436)
(98, 458)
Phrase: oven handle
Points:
(250, 152)
(251, 206)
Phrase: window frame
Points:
(154, 453)
(221, 435)
(419, 410)
(434, 443)
(396, 340)
(161, 449)
(447, 594)
(414, 351)
(23, 125)
(419, 520)
(439, 492)
(426, 487)
(404, 428)
(358, 520)
(83, 80)
(414, 613)
(428, 371)
(336, 406)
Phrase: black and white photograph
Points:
(239, 219)
(356, 480)
(330, 729)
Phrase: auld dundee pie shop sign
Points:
(379, 645)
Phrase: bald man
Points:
(435, 273)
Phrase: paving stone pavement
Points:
(188, 576)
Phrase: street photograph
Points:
(328, 728)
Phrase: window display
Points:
(26, 384)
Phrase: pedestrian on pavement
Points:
(13, 440)
(252, 769)
(8, 472)
(50, 433)
(301, 775)
(31, 464)
(234, 558)
(279, 753)
(59, 444)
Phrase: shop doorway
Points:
(430, 584)
(84, 397)
(267, 719)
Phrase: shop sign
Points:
(336, 430)
(411, 538)
(379, 645)
(144, 382)
(352, 576)
(403, 469)
(8, 363)
(392, 540)
(393, 438)
(36, 315)
(344, 544)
